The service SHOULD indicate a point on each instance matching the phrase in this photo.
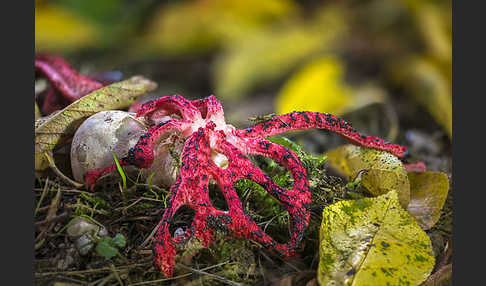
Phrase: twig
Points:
(151, 235)
(124, 209)
(78, 191)
(121, 190)
(176, 277)
(116, 274)
(40, 239)
(210, 275)
(281, 259)
(73, 206)
(154, 187)
(102, 281)
(52, 219)
(44, 191)
(58, 172)
(88, 271)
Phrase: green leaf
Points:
(284, 141)
(428, 192)
(119, 240)
(381, 171)
(104, 248)
(62, 125)
(372, 241)
(121, 172)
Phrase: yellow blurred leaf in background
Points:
(423, 79)
(57, 29)
(434, 23)
(197, 26)
(269, 54)
(428, 77)
(318, 86)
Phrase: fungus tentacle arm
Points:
(191, 189)
(53, 101)
(210, 108)
(142, 154)
(296, 200)
(302, 120)
(68, 81)
(168, 105)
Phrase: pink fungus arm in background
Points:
(67, 85)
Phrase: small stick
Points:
(177, 277)
(116, 274)
(151, 235)
(50, 214)
(88, 271)
(213, 276)
(59, 173)
(44, 191)
(52, 219)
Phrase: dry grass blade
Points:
(213, 276)
(146, 241)
(117, 276)
(53, 219)
(37, 113)
(44, 192)
(91, 271)
(177, 277)
(51, 214)
(58, 172)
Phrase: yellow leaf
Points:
(372, 241)
(62, 125)
(428, 192)
(428, 77)
(37, 113)
(320, 86)
(57, 29)
(433, 22)
(430, 87)
(197, 26)
(268, 54)
(381, 171)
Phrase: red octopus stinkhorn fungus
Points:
(67, 84)
(202, 123)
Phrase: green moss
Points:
(327, 261)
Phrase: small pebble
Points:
(84, 244)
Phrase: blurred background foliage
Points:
(271, 55)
